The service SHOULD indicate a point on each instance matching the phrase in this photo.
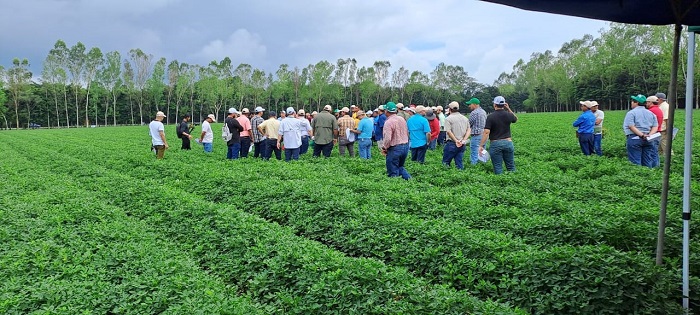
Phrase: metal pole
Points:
(686, 167)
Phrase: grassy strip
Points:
(265, 260)
(63, 251)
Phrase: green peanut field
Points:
(92, 223)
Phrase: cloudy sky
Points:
(486, 39)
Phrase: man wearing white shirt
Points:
(207, 136)
(290, 135)
(157, 132)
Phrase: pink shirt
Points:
(245, 122)
(395, 131)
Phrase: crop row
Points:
(266, 261)
(563, 279)
(63, 251)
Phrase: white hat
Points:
(381, 107)
(290, 110)
(328, 108)
(420, 108)
(453, 105)
(314, 113)
(259, 109)
(410, 109)
(439, 107)
(245, 111)
(353, 106)
(345, 109)
(213, 118)
(160, 114)
(594, 103)
(302, 112)
(588, 104)
(499, 100)
(232, 111)
(399, 105)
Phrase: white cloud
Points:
(241, 46)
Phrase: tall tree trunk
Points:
(16, 113)
(65, 104)
(87, 101)
(77, 109)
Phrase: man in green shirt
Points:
(324, 131)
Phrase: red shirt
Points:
(434, 128)
(658, 113)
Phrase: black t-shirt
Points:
(182, 128)
(499, 124)
(235, 128)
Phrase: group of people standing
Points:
(644, 126)
(395, 128)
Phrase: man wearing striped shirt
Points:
(477, 121)
(395, 144)
(258, 138)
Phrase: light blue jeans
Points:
(208, 147)
(365, 145)
(474, 148)
(502, 151)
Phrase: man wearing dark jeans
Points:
(395, 145)
(258, 137)
(324, 130)
(246, 133)
(270, 128)
(585, 124)
(458, 131)
(183, 131)
(234, 145)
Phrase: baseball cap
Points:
(661, 95)
(259, 109)
(360, 112)
(453, 105)
(328, 108)
(245, 111)
(399, 105)
(588, 104)
(594, 103)
(653, 99)
(381, 107)
(290, 110)
(420, 108)
(410, 109)
(213, 118)
(314, 113)
(639, 98)
(353, 106)
(232, 111)
(160, 114)
(474, 100)
(302, 112)
(439, 107)
(345, 109)
(499, 100)
(273, 113)
(391, 107)
(429, 114)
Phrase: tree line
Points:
(81, 87)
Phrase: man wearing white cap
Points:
(157, 132)
(207, 136)
(497, 131)
(345, 123)
(258, 137)
(586, 125)
(246, 133)
(305, 131)
(598, 128)
(290, 135)
(325, 129)
(235, 128)
(441, 117)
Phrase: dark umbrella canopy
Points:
(654, 12)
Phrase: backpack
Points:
(179, 130)
(226, 133)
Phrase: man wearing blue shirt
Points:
(419, 134)
(585, 124)
(379, 126)
(639, 125)
(364, 135)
